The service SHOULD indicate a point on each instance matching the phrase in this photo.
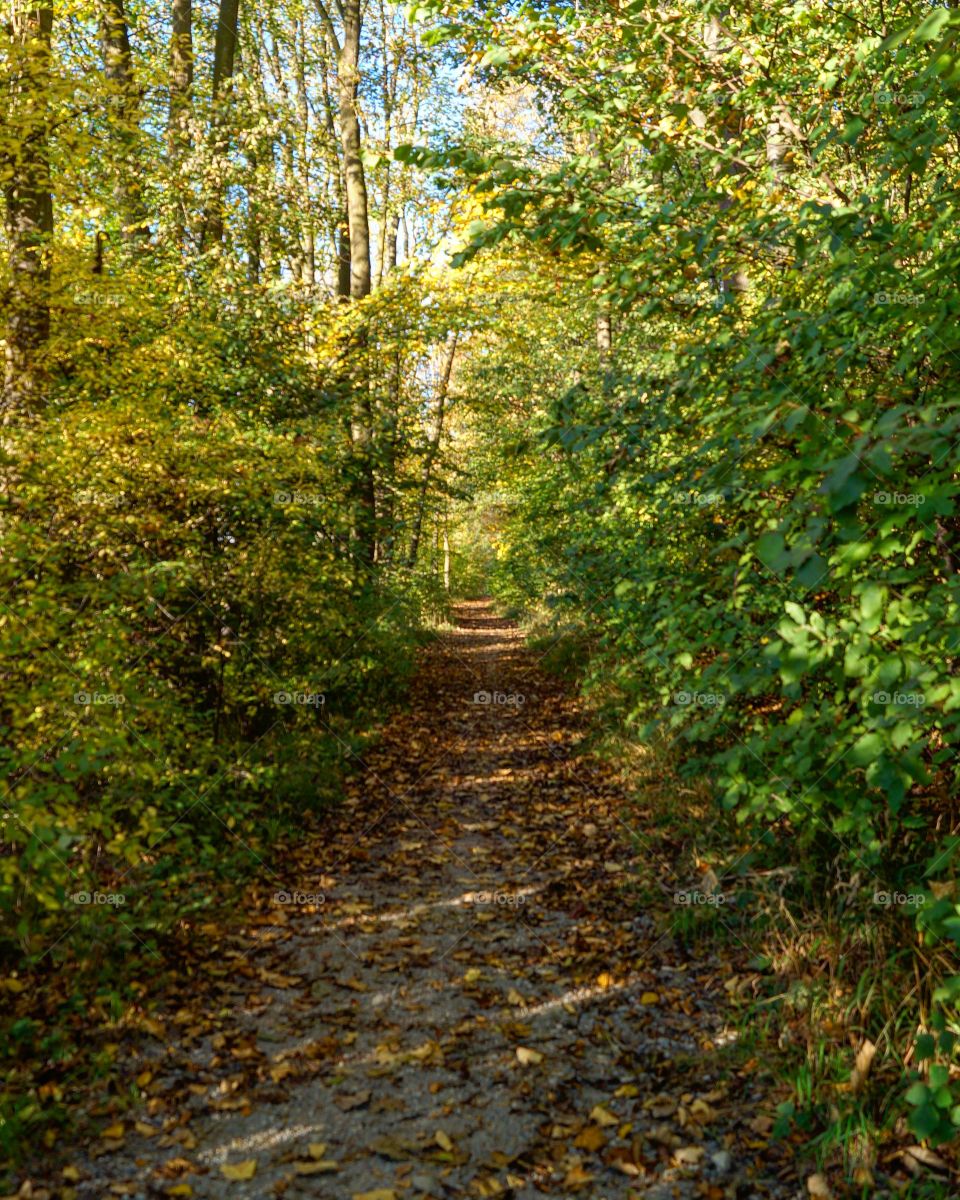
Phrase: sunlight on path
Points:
(470, 1000)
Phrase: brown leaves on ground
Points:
(451, 990)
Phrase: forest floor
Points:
(461, 989)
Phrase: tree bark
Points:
(124, 103)
(181, 86)
(29, 213)
(224, 59)
(348, 78)
(604, 333)
(347, 49)
(433, 446)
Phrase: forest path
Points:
(458, 993)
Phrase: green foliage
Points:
(751, 502)
(189, 635)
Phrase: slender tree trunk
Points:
(308, 239)
(434, 445)
(348, 78)
(124, 104)
(393, 226)
(446, 555)
(735, 281)
(28, 213)
(604, 333)
(181, 86)
(343, 260)
(224, 59)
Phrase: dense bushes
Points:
(190, 638)
(748, 495)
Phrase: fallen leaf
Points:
(817, 1186)
(649, 998)
(602, 1116)
(443, 1140)
(529, 1057)
(321, 1167)
(861, 1067)
(577, 1177)
(592, 1138)
(239, 1171)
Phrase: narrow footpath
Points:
(462, 991)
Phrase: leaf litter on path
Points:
(467, 1001)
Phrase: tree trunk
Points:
(181, 85)
(28, 212)
(393, 225)
(446, 556)
(224, 58)
(604, 334)
(343, 260)
(348, 78)
(124, 103)
(434, 445)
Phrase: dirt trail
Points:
(458, 993)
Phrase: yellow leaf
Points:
(529, 1057)
(592, 1138)
(180, 1189)
(649, 998)
(315, 1168)
(861, 1068)
(239, 1171)
(577, 1177)
(317, 1149)
(602, 1116)
(113, 1131)
(443, 1140)
(472, 975)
